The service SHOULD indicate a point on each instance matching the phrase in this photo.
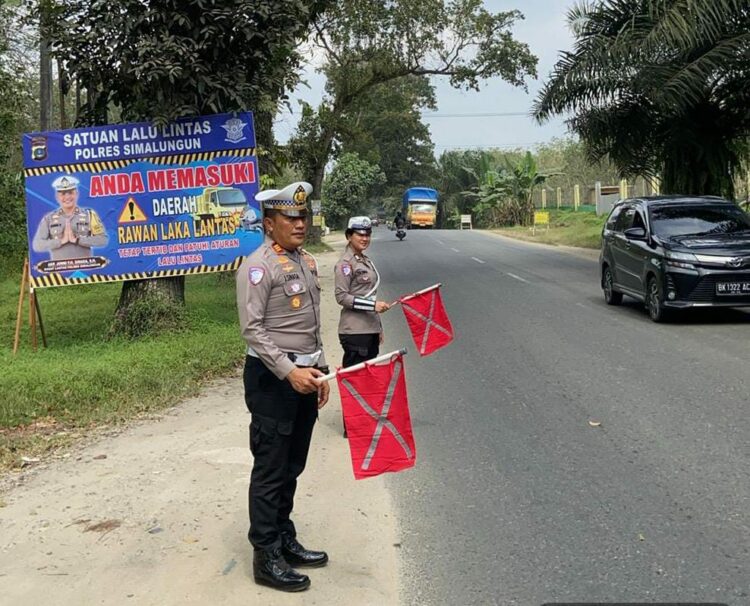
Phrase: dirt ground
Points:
(156, 514)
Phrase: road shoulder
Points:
(586, 253)
(157, 514)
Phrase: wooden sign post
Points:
(35, 313)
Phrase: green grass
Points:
(84, 379)
(316, 249)
(567, 227)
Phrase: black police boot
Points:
(270, 568)
(297, 555)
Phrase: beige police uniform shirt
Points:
(354, 277)
(86, 226)
(278, 299)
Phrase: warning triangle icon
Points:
(132, 213)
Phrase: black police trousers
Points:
(280, 433)
(359, 348)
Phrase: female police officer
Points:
(356, 283)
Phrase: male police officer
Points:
(278, 298)
(69, 232)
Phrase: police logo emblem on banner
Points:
(256, 275)
(234, 128)
(38, 148)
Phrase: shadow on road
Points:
(686, 317)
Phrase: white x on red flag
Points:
(376, 413)
(429, 324)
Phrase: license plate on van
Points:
(733, 288)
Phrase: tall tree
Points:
(348, 190)
(371, 42)
(385, 127)
(164, 59)
(660, 86)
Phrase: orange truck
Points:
(419, 207)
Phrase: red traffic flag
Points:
(429, 324)
(376, 414)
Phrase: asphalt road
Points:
(516, 498)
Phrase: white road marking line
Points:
(478, 260)
(455, 250)
(439, 241)
(582, 305)
(517, 277)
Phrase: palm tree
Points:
(661, 86)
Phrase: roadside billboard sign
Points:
(134, 201)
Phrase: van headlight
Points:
(678, 259)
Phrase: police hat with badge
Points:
(359, 225)
(65, 183)
(290, 201)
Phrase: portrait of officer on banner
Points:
(69, 232)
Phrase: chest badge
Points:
(296, 302)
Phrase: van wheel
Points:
(611, 296)
(655, 301)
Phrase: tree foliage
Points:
(385, 127)
(18, 108)
(347, 191)
(166, 59)
(660, 86)
(464, 174)
(367, 43)
(503, 194)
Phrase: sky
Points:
(544, 29)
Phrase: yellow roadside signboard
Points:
(540, 218)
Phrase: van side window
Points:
(613, 217)
(638, 220)
(625, 220)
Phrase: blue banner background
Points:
(120, 141)
(190, 239)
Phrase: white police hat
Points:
(360, 225)
(65, 183)
(290, 201)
